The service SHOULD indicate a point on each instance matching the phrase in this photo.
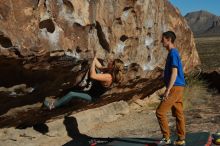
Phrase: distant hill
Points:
(203, 23)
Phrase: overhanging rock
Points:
(53, 43)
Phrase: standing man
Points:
(172, 98)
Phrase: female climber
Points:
(101, 79)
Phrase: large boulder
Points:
(53, 42)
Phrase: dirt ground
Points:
(203, 117)
(139, 122)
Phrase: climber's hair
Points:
(117, 70)
(170, 35)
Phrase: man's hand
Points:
(166, 94)
(171, 83)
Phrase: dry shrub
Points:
(196, 91)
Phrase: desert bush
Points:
(196, 90)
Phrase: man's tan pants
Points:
(175, 103)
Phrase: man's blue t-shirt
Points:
(173, 60)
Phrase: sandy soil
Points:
(139, 122)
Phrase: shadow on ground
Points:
(78, 139)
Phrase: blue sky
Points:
(186, 6)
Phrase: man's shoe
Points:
(165, 141)
(216, 138)
(179, 143)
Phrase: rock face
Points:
(130, 29)
(49, 38)
(203, 23)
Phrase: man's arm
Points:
(172, 81)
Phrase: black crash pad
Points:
(192, 139)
